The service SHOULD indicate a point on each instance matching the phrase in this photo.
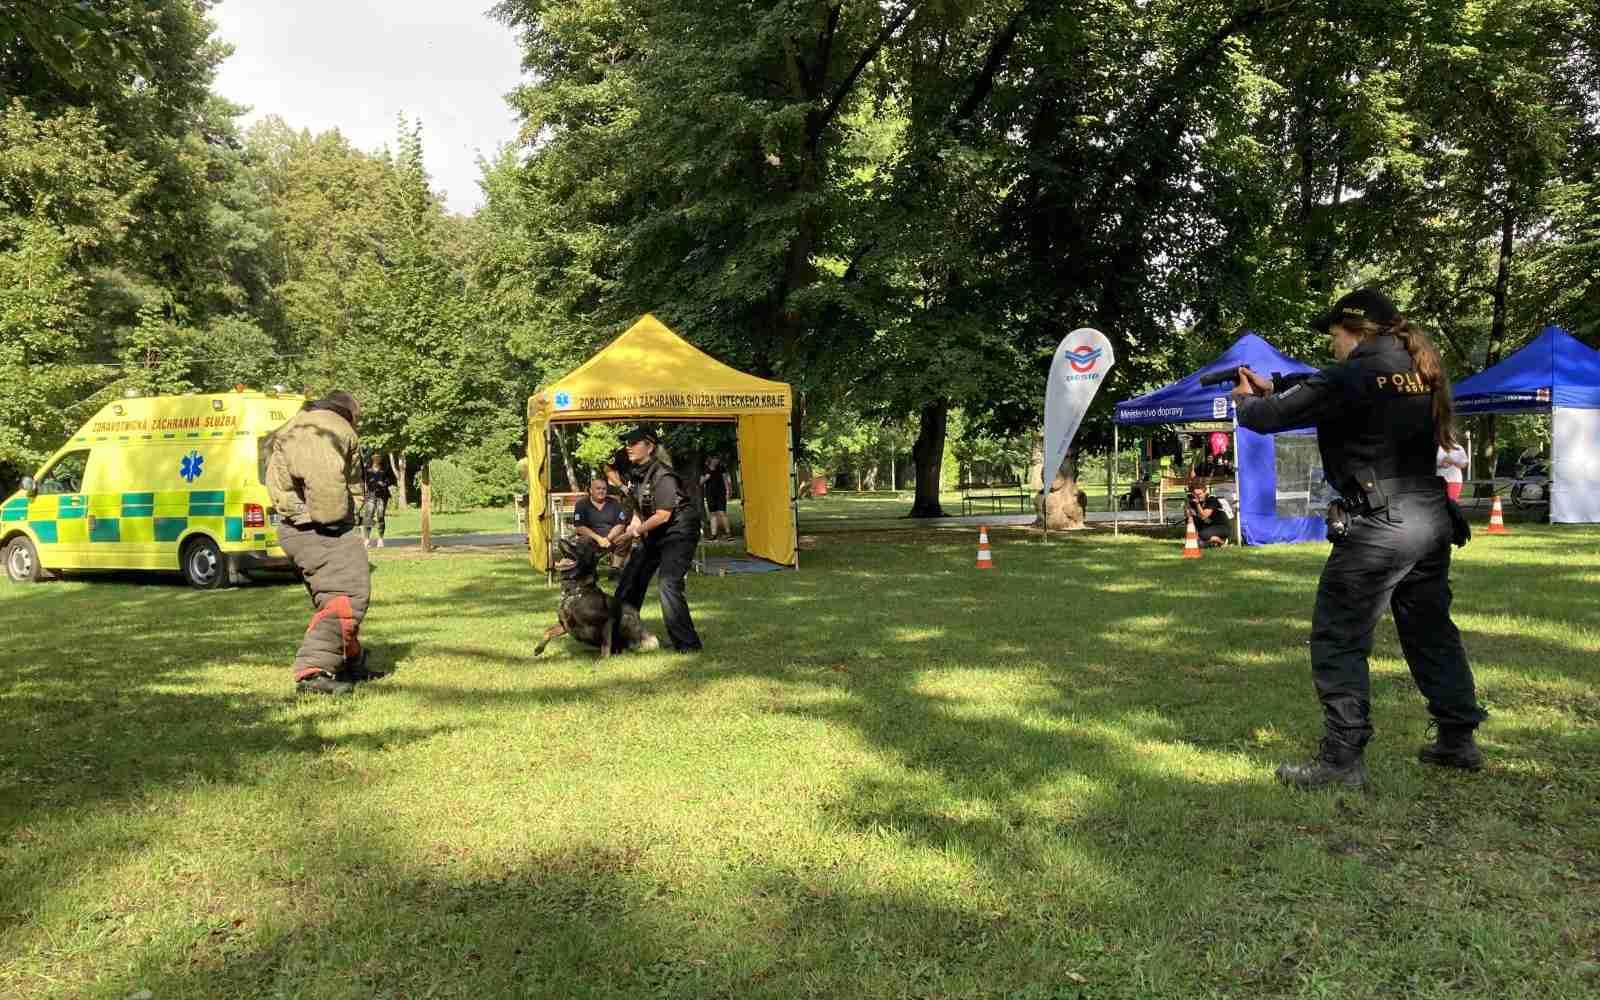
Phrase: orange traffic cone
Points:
(985, 560)
(1497, 520)
(1191, 541)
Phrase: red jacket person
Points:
(314, 476)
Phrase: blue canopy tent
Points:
(1558, 375)
(1186, 400)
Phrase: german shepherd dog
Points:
(585, 610)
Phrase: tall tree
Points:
(66, 199)
(430, 380)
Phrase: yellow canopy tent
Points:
(651, 373)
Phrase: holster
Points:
(1371, 488)
(1460, 530)
(1338, 521)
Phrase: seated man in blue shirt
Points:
(600, 519)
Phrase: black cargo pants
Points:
(333, 563)
(672, 552)
(1399, 558)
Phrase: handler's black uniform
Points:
(1375, 429)
(669, 548)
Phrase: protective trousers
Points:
(1401, 558)
(374, 515)
(672, 555)
(333, 563)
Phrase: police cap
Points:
(640, 433)
(1362, 304)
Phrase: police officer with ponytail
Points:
(665, 529)
(1381, 414)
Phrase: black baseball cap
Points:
(640, 433)
(1363, 303)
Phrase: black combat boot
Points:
(1452, 746)
(1337, 763)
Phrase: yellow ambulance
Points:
(157, 483)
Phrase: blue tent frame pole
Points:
(1238, 484)
(1116, 505)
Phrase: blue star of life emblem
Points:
(192, 466)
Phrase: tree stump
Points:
(1062, 508)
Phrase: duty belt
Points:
(1372, 495)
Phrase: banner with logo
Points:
(1082, 361)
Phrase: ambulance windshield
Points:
(66, 476)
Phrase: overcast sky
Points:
(356, 64)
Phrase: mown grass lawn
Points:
(479, 520)
(889, 776)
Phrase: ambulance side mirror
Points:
(29, 486)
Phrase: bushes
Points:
(492, 466)
(452, 486)
(484, 475)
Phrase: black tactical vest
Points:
(1385, 429)
(650, 477)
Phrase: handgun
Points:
(1280, 381)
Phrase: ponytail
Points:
(1425, 361)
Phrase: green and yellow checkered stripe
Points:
(126, 517)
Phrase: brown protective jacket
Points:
(314, 468)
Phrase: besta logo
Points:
(1082, 358)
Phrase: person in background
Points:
(1141, 492)
(375, 509)
(619, 482)
(313, 472)
(714, 485)
(1453, 467)
(1213, 518)
(600, 518)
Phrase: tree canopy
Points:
(899, 207)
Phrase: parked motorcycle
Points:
(1532, 486)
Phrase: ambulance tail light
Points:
(254, 516)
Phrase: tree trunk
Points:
(870, 478)
(1497, 328)
(566, 463)
(1061, 509)
(397, 465)
(690, 466)
(928, 453)
(425, 484)
(1036, 463)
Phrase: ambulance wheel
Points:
(22, 562)
(203, 565)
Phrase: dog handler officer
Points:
(666, 530)
(1380, 414)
